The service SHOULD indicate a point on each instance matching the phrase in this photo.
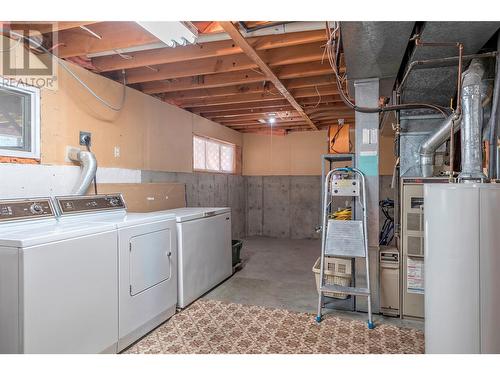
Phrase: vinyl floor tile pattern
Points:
(216, 327)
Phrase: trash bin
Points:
(237, 245)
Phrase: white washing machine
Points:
(204, 250)
(147, 252)
(58, 282)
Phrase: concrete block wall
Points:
(271, 206)
(210, 190)
(282, 206)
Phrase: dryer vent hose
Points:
(88, 163)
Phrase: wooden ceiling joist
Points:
(291, 114)
(241, 106)
(211, 65)
(114, 35)
(271, 109)
(305, 102)
(236, 82)
(317, 92)
(49, 26)
(260, 87)
(250, 52)
(308, 73)
(198, 51)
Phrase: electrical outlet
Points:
(83, 135)
(117, 152)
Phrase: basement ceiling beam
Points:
(273, 94)
(198, 51)
(275, 57)
(292, 117)
(305, 102)
(299, 83)
(271, 109)
(287, 72)
(48, 26)
(248, 49)
(114, 35)
(279, 102)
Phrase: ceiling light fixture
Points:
(173, 34)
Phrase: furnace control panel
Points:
(90, 203)
(22, 209)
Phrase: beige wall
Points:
(297, 153)
(150, 134)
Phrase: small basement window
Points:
(19, 120)
(212, 155)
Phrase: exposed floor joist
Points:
(250, 52)
(199, 51)
(218, 78)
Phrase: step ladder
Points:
(344, 238)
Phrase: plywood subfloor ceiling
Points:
(276, 70)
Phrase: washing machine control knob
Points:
(35, 208)
(114, 201)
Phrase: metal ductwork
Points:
(472, 122)
(429, 146)
(470, 125)
(88, 163)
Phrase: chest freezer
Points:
(204, 250)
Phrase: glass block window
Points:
(213, 155)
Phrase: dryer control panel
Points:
(23, 209)
(90, 203)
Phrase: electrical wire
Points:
(387, 232)
(335, 137)
(78, 79)
(333, 53)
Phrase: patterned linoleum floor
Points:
(215, 327)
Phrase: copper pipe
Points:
(458, 109)
(436, 63)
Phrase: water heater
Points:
(462, 268)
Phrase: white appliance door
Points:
(148, 278)
(69, 295)
(149, 260)
(205, 256)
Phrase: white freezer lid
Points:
(33, 235)
(192, 213)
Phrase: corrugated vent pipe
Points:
(472, 122)
(88, 163)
